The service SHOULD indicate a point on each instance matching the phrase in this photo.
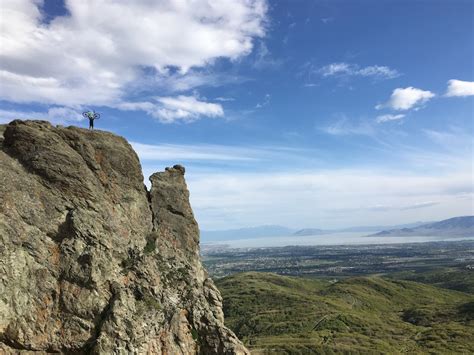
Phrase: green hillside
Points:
(277, 314)
(454, 278)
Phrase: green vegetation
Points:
(195, 335)
(454, 278)
(150, 243)
(278, 314)
(148, 303)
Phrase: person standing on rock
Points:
(91, 115)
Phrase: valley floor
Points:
(415, 299)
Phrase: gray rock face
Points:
(90, 261)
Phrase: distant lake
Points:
(351, 238)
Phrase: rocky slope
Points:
(92, 262)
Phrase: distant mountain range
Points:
(317, 231)
(455, 227)
(452, 227)
(311, 231)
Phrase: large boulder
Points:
(92, 262)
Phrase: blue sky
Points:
(300, 113)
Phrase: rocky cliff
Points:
(92, 262)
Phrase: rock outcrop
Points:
(92, 262)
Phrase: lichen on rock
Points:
(92, 262)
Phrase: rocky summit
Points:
(93, 262)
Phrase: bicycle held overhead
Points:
(91, 115)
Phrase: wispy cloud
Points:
(265, 102)
(335, 69)
(460, 88)
(213, 153)
(406, 98)
(264, 58)
(388, 118)
(411, 206)
(221, 154)
(420, 205)
(347, 69)
(453, 139)
(172, 82)
(343, 126)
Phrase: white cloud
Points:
(460, 88)
(56, 115)
(346, 69)
(407, 98)
(175, 82)
(378, 71)
(173, 109)
(186, 108)
(174, 152)
(388, 118)
(420, 205)
(343, 126)
(215, 154)
(100, 49)
(335, 68)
